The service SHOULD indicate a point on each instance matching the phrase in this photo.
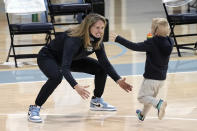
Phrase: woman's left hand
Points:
(127, 87)
(81, 90)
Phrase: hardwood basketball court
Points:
(66, 111)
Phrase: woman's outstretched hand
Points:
(82, 91)
(127, 87)
(112, 36)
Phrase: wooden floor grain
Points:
(66, 111)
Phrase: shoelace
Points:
(35, 111)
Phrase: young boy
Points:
(158, 50)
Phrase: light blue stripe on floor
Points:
(122, 69)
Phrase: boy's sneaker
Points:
(139, 116)
(161, 106)
(34, 114)
(98, 104)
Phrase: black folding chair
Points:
(22, 7)
(66, 9)
(180, 19)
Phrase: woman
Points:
(68, 52)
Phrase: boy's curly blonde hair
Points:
(160, 27)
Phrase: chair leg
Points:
(195, 46)
(11, 45)
(188, 7)
(16, 65)
(47, 38)
(52, 19)
(9, 54)
(175, 41)
(54, 32)
(50, 37)
(13, 50)
(177, 47)
(14, 53)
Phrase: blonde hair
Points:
(160, 27)
(83, 29)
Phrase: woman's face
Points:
(97, 30)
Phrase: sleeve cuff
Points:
(117, 38)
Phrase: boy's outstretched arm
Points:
(141, 46)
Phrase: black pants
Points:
(50, 68)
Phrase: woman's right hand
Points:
(82, 91)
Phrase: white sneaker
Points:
(34, 114)
(98, 104)
(161, 107)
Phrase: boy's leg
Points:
(146, 109)
(141, 114)
(148, 91)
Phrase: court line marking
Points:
(107, 116)
(123, 50)
(88, 78)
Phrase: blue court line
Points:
(123, 50)
(122, 69)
